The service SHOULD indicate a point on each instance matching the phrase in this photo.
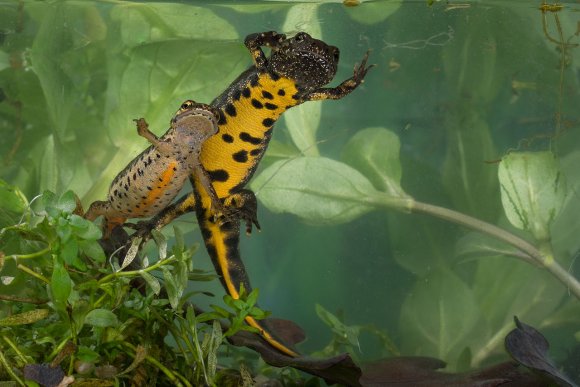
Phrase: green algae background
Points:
(456, 89)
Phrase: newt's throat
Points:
(245, 130)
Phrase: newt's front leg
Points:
(254, 42)
(143, 131)
(360, 71)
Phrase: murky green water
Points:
(458, 85)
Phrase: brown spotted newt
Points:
(153, 179)
(294, 73)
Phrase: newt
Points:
(151, 181)
(296, 71)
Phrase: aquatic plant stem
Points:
(544, 259)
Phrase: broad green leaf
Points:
(25, 317)
(69, 253)
(150, 22)
(48, 199)
(52, 42)
(375, 153)
(439, 316)
(533, 191)
(48, 166)
(12, 204)
(85, 229)
(471, 63)
(566, 227)
(101, 318)
(505, 287)
(373, 13)
(303, 17)
(302, 122)
(86, 354)
(60, 285)
(93, 250)
(469, 180)
(66, 202)
(317, 189)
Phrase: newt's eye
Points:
(336, 55)
(187, 104)
(300, 37)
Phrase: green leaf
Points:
(302, 122)
(67, 202)
(505, 287)
(252, 297)
(471, 63)
(375, 153)
(12, 204)
(101, 318)
(48, 199)
(85, 229)
(60, 285)
(161, 243)
(532, 191)
(566, 227)
(70, 254)
(152, 282)
(86, 354)
(221, 311)
(48, 166)
(372, 13)
(63, 229)
(172, 287)
(29, 317)
(439, 316)
(144, 23)
(304, 17)
(346, 334)
(468, 179)
(131, 253)
(93, 250)
(317, 189)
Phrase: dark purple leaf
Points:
(528, 347)
(44, 374)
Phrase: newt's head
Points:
(310, 62)
(194, 123)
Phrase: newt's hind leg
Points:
(99, 208)
(245, 205)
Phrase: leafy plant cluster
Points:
(59, 290)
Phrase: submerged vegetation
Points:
(468, 128)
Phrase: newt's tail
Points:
(222, 243)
